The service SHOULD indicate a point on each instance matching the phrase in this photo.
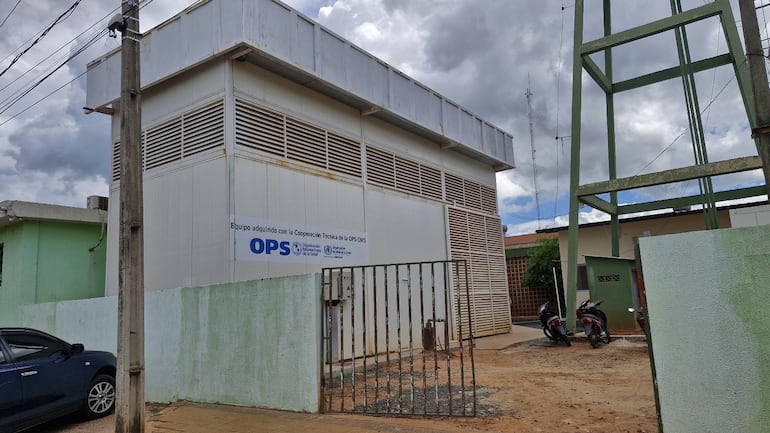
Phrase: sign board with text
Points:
(283, 242)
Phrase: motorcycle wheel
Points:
(548, 334)
(607, 337)
(593, 337)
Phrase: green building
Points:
(50, 253)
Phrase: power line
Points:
(30, 89)
(7, 105)
(61, 17)
(35, 67)
(43, 98)
(9, 13)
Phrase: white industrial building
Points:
(273, 147)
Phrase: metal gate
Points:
(397, 340)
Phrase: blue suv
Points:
(43, 377)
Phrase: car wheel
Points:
(101, 397)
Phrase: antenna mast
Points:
(528, 94)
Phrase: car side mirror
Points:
(77, 348)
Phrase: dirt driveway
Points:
(531, 387)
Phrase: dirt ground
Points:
(530, 387)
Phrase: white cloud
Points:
(482, 55)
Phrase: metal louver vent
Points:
(344, 155)
(204, 129)
(279, 135)
(163, 144)
(116, 161)
(488, 199)
(173, 140)
(467, 193)
(454, 189)
(380, 168)
(477, 239)
(403, 174)
(430, 182)
(305, 143)
(472, 192)
(259, 129)
(407, 175)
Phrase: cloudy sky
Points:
(484, 55)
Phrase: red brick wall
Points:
(524, 300)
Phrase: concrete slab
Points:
(518, 334)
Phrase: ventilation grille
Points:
(477, 239)
(470, 194)
(204, 129)
(173, 140)
(380, 167)
(116, 161)
(394, 171)
(285, 137)
(305, 143)
(163, 144)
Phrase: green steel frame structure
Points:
(702, 169)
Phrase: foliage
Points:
(540, 264)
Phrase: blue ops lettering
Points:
(267, 246)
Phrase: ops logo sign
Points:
(269, 246)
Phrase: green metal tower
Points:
(702, 169)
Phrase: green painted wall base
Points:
(253, 343)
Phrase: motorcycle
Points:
(594, 322)
(553, 327)
(641, 318)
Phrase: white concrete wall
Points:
(750, 216)
(707, 294)
(255, 343)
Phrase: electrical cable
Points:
(26, 92)
(7, 105)
(59, 49)
(61, 17)
(9, 14)
(42, 99)
(558, 108)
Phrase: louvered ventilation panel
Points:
(488, 199)
(472, 191)
(407, 175)
(204, 129)
(430, 182)
(305, 143)
(477, 239)
(380, 167)
(163, 144)
(116, 161)
(454, 189)
(259, 129)
(344, 155)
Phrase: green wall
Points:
(707, 294)
(251, 343)
(48, 262)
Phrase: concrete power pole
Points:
(756, 60)
(130, 375)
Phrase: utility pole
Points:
(130, 375)
(756, 60)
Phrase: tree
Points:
(540, 264)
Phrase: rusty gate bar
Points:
(471, 343)
(422, 332)
(446, 341)
(435, 354)
(362, 303)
